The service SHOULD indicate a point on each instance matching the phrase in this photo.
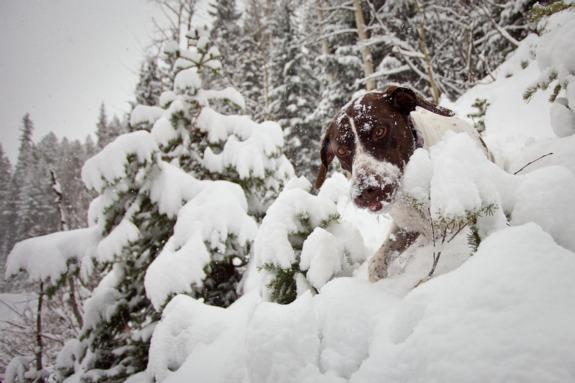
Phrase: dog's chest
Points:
(407, 217)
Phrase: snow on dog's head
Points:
(373, 138)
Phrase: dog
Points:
(373, 137)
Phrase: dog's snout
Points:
(374, 197)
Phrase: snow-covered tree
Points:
(303, 242)
(226, 34)
(107, 129)
(5, 177)
(340, 66)
(294, 91)
(149, 86)
(443, 47)
(168, 222)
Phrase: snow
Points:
(121, 235)
(333, 248)
(229, 93)
(204, 224)
(166, 98)
(272, 243)
(321, 257)
(501, 316)
(59, 250)
(252, 149)
(187, 79)
(144, 114)
(546, 197)
(104, 299)
(163, 132)
(509, 116)
(176, 337)
(563, 118)
(555, 48)
(171, 188)
(109, 165)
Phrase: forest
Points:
(183, 241)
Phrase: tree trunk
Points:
(39, 350)
(362, 39)
(423, 46)
(64, 227)
(321, 18)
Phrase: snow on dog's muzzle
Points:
(374, 184)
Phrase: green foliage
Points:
(543, 85)
(478, 117)
(540, 11)
(444, 228)
(283, 285)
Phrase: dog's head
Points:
(373, 138)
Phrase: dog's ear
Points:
(326, 155)
(402, 99)
(405, 100)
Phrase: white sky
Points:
(59, 59)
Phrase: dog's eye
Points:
(379, 132)
(343, 151)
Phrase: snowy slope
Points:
(501, 314)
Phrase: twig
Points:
(435, 261)
(535, 160)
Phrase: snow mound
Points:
(176, 337)
(499, 317)
(58, 251)
(455, 176)
(556, 58)
(546, 197)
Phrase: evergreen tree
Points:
(102, 127)
(249, 76)
(303, 242)
(145, 227)
(294, 91)
(226, 34)
(149, 85)
(5, 176)
(340, 68)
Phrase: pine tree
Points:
(25, 187)
(294, 91)
(5, 176)
(145, 227)
(250, 58)
(225, 35)
(149, 85)
(102, 127)
(310, 244)
(341, 67)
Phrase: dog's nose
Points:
(373, 195)
(369, 194)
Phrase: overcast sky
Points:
(59, 59)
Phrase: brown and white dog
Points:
(373, 138)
